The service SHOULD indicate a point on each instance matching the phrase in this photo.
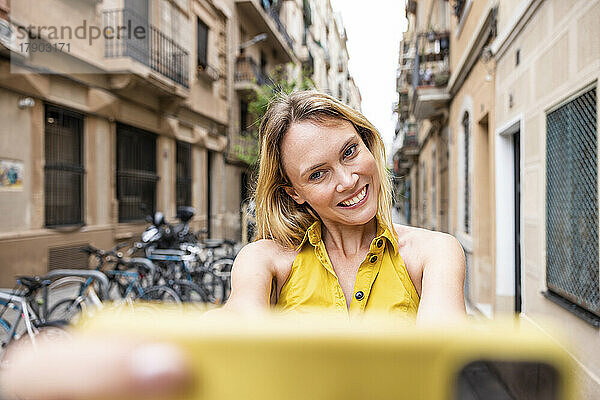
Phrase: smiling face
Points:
(332, 170)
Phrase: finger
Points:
(88, 368)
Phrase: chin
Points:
(360, 216)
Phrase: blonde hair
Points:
(278, 216)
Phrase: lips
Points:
(355, 200)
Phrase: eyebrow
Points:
(307, 170)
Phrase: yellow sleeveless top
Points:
(382, 282)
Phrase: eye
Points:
(315, 175)
(350, 150)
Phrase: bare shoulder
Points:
(426, 243)
(267, 252)
(421, 247)
(412, 236)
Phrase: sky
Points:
(374, 30)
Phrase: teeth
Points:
(356, 198)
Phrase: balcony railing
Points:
(246, 70)
(275, 17)
(431, 66)
(429, 77)
(133, 36)
(410, 145)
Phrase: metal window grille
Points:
(184, 174)
(467, 189)
(63, 170)
(572, 202)
(136, 173)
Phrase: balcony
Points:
(403, 104)
(410, 145)
(243, 148)
(430, 94)
(248, 75)
(154, 49)
(267, 20)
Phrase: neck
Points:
(348, 239)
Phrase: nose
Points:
(347, 180)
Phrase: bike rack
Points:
(96, 275)
(145, 262)
(21, 304)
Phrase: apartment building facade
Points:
(441, 150)
(522, 127)
(546, 168)
(100, 129)
(420, 151)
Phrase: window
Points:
(184, 174)
(467, 173)
(136, 173)
(459, 8)
(209, 191)
(172, 22)
(572, 202)
(202, 36)
(63, 172)
(244, 126)
(263, 63)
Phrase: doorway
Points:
(508, 265)
(209, 161)
(517, 207)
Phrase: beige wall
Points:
(15, 144)
(560, 54)
(460, 39)
(476, 97)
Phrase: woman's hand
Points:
(93, 368)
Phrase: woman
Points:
(325, 239)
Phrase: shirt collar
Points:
(313, 235)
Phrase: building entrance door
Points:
(517, 206)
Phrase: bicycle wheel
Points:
(222, 268)
(189, 292)
(160, 294)
(213, 285)
(5, 338)
(70, 287)
(68, 310)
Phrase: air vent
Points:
(68, 257)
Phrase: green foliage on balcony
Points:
(244, 146)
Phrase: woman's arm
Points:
(251, 278)
(442, 285)
(125, 367)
